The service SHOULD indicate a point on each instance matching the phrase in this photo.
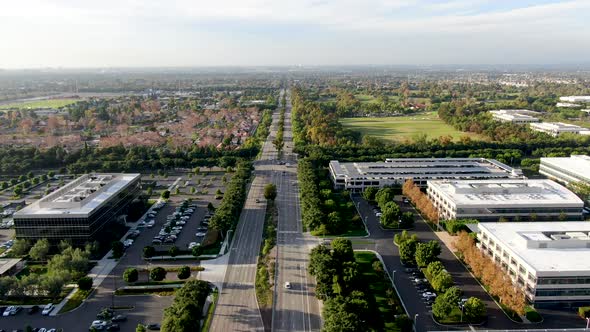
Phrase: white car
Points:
(47, 309)
(99, 324)
(428, 294)
(378, 214)
(201, 234)
(287, 285)
(192, 245)
(8, 311)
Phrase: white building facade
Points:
(557, 128)
(514, 116)
(357, 176)
(504, 199)
(567, 169)
(547, 260)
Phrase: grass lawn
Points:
(48, 103)
(75, 301)
(378, 286)
(404, 127)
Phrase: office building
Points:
(357, 176)
(79, 210)
(557, 128)
(514, 116)
(510, 199)
(548, 260)
(567, 169)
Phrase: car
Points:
(156, 241)
(287, 285)
(113, 327)
(52, 330)
(192, 245)
(8, 311)
(47, 309)
(428, 294)
(33, 309)
(257, 200)
(406, 201)
(153, 327)
(98, 325)
(119, 318)
(42, 330)
(378, 214)
(411, 269)
(201, 234)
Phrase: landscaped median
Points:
(356, 291)
(265, 270)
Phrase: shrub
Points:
(584, 312)
(130, 275)
(85, 283)
(158, 274)
(532, 315)
(184, 272)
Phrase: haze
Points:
(125, 33)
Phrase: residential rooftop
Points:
(506, 193)
(81, 196)
(549, 248)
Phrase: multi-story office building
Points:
(514, 116)
(548, 260)
(567, 169)
(557, 128)
(511, 199)
(395, 171)
(79, 210)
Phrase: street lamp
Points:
(393, 276)
(587, 322)
(415, 323)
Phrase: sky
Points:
(179, 33)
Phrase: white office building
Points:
(567, 169)
(514, 116)
(356, 176)
(511, 199)
(548, 260)
(557, 128)
(575, 99)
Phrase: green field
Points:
(48, 103)
(400, 128)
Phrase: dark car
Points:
(153, 327)
(113, 327)
(119, 318)
(33, 309)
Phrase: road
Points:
(295, 309)
(237, 308)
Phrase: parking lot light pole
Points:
(415, 322)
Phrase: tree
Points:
(18, 190)
(173, 251)
(149, 251)
(130, 275)
(383, 196)
(197, 251)
(158, 274)
(40, 250)
(165, 194)
(342, 251)
(52, 284)
(427, 252)
(140, 328)
(85, 283)
(442, 281)
(20, 247)
(445, 303)
(184, 272)
(117, 247)
(407, 251)
(474, 310)
(369, 193)
(390, 215)
(407, 220)
(270, 191)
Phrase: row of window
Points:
(563, 292)
(565, 281)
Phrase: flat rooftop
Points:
(425, 167)
(7, 264)
(576, 164)
(506, 192)
(558, 126)
(566, 244)
(79, 197)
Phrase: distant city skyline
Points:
(184, 33)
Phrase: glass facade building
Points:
(82, 220)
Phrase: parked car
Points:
(287, 285)
(192, 245)
(113, 327)
(47, 309)
(98, 325)
(33, 309)
(119, 318)
(153, 327)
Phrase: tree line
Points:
(186, 311)
(420, 200)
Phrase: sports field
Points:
(47, 103)
(400, 128)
